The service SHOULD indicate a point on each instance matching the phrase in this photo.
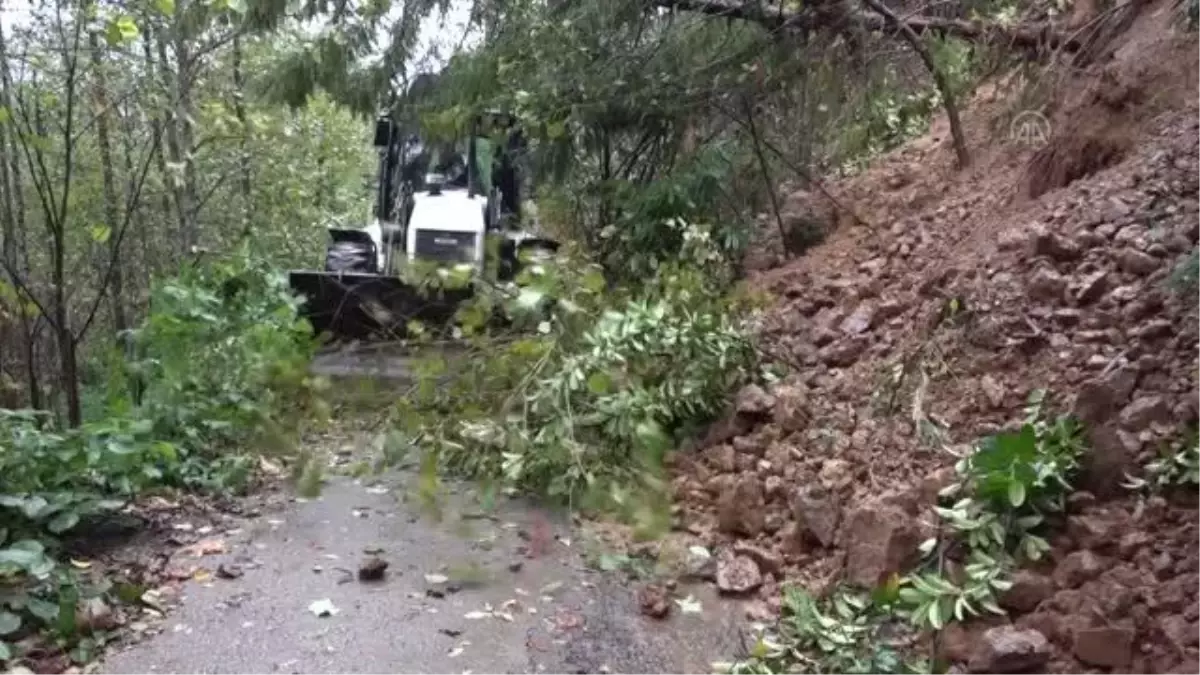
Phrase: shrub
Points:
(224, 358)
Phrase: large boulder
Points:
(880, 539)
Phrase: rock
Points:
(1055, 247)
(835, 474)
(1103, 468)
(752, 401)
(1155, 329)
(1133, 261)
(1132, 542)
(1077, 568)
(1046, 285)
(741, 507)
(1006, 649)
(842, 353)
(1096, 401)
(700, 564)
(778, 455)
(229, 571)
(728, 427)
(748, 445)
(1028, 591)
(1144, 411)
(1091, 287)
(1180, 632)
(1104, 647)
(768, 561)
(817, 513)
(993, 390)
(653, 601)
(860, 320)
(737, 574)
(721, 458)
(94, 615)
(880, 540)
(1121, 382)
(1092, 532)
(791, 408)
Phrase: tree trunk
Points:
(156, 126)
(939, 78)
(175, 164)
(185, 120)
(239, 110)
(112, 210)
(8, 233)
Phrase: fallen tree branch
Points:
(1027, 36)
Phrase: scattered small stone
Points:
(1006, 649)
(373, 568)
(1077, 568)
(768, 561)
(229, 571)
(1028, 591)
(515, 566)
(737, 574)
(653, 601)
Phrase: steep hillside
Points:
(930, 323)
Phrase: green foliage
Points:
(893, 111)
(1007, 486)
(1177, 466)
(581, 392)
(846, 632)
(224, 356)
(222, 362)
(51, 482)
(652, 222)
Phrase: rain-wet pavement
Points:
(549, 613)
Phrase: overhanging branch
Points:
(1028, 36)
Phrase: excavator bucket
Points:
(370, 307)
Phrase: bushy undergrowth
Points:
(224, 361)
(1008, 484)
(582, 392)
(221, 369)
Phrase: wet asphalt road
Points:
(564, 618)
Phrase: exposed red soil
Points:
(929, 324)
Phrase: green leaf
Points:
(43, 609)
(5, 651)
(120, 30)
(9, 622)
(599, 383)
(101, 233)
(5, 114)
(1016, 493)
(165, 7)
(63, 522)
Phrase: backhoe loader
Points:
(453, 206)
